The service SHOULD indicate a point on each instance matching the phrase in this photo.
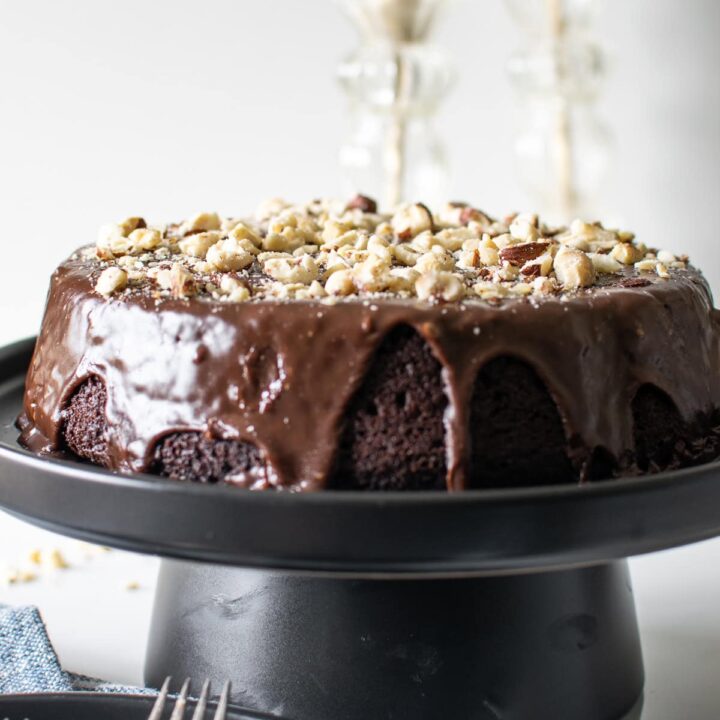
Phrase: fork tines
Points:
(178, 712)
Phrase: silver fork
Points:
(178, 712)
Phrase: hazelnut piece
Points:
(573, 269)
(411, 220)
(111, 280)
(362, 203)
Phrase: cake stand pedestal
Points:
(541, 645)
(483, 605)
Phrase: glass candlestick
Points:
(563, 146)
(395, 81)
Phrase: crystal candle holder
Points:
(395, 81)
(563, 145)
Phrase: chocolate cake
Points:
(329, 346)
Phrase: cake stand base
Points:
(560, 645)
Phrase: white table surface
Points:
(99, 626)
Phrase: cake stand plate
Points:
(350, 532)
(509, 604)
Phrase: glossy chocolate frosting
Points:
(279, 374)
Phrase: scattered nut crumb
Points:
(21, 576)
(57, 560)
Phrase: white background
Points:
(112, 108)
(162, 108)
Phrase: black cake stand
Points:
(485, 605)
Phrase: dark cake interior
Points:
(394, 433)
(516, 432)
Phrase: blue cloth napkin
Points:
(28, 663)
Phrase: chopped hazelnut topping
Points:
(111, 280)
(543, 286)
(227, 255)
(525, 228)
(626, 253)
(520, 254)
(405, 255)
(178, 280)
(380, 247)
(574, 269)
(439, 286)
(521, 289)
(197, 245)
(539, 266)
(604, 263)
(131, 224)
(488, 251)
(361, 202)
(241, 232)
(435, 259)
(111, 242)
(340, 283)
(371, 275)
(144, 239)
(232, 289)
(490, 290)
(291, 269)
(201, 223)
(411, 220)
(327, 250)
(646, 265)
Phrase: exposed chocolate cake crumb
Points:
(190, 456)
(515, 428)
(657, 428)
(84, 422)
(394, 437)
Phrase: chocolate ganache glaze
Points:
(280, 373)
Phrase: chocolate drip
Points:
(280, 375)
